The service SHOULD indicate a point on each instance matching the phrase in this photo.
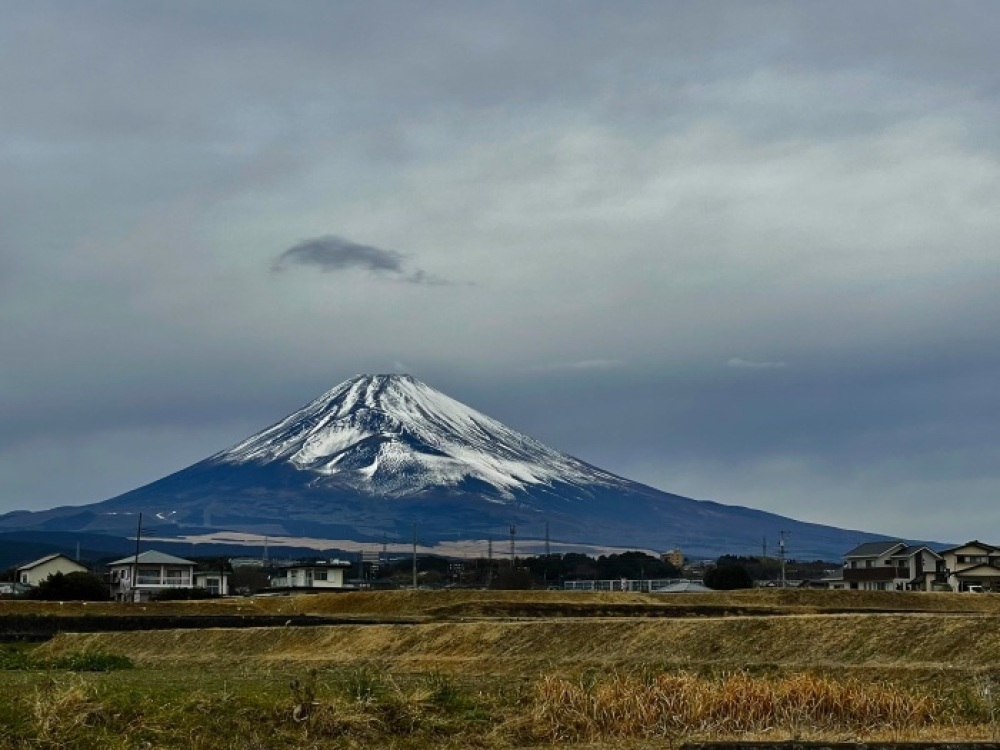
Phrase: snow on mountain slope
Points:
(392, 435)
(378, 455)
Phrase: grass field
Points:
(521, 669)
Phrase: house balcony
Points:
(165, 581)
(859, 575)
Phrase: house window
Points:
(177, 577)
(212, 584)
(148, 576)
(319, 575)
(869, 563)
(24, 577)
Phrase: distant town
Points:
(152, 575)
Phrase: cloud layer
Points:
(742, 253)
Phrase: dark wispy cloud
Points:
(330, 253)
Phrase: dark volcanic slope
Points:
(378, 453)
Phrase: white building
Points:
(890, 566)
(327, 574)
(973, 566)
(35, 572)
(137, 579)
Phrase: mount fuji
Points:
(378, 453)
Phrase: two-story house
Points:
(891, 566)
(973, 566)
(138, 578)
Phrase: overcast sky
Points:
(740, 251)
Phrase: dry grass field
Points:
(523, 669)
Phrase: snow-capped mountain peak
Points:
(392, 435)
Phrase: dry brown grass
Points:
(792, 601)
(894, 667)
(874, 642)
(458, 603)
(671, 705)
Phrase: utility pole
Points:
(135, 561)
(765, 548)
(489, 563)
(513, 533)
(548, 542)
(414, 557)
(781, 555)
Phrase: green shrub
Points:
(728, 578)
(79, 587)
(91, 661)
(444, 692)
(366, 684)
(181, 594)
(15, 657)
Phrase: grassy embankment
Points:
(476, 669)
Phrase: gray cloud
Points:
(579, 365)
(749, 364)
(658, 184)
(331, 253)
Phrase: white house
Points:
(136, 579)
(35, 572)
(213, 581)
(327, 574)
(891, 566)
(973, 566)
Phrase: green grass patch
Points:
(18, 657)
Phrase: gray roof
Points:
(873, 549)
(47, 558)
(983, 570)
(152, 557)
(915, 548)
(973, 543)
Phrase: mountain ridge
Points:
(377, 454)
